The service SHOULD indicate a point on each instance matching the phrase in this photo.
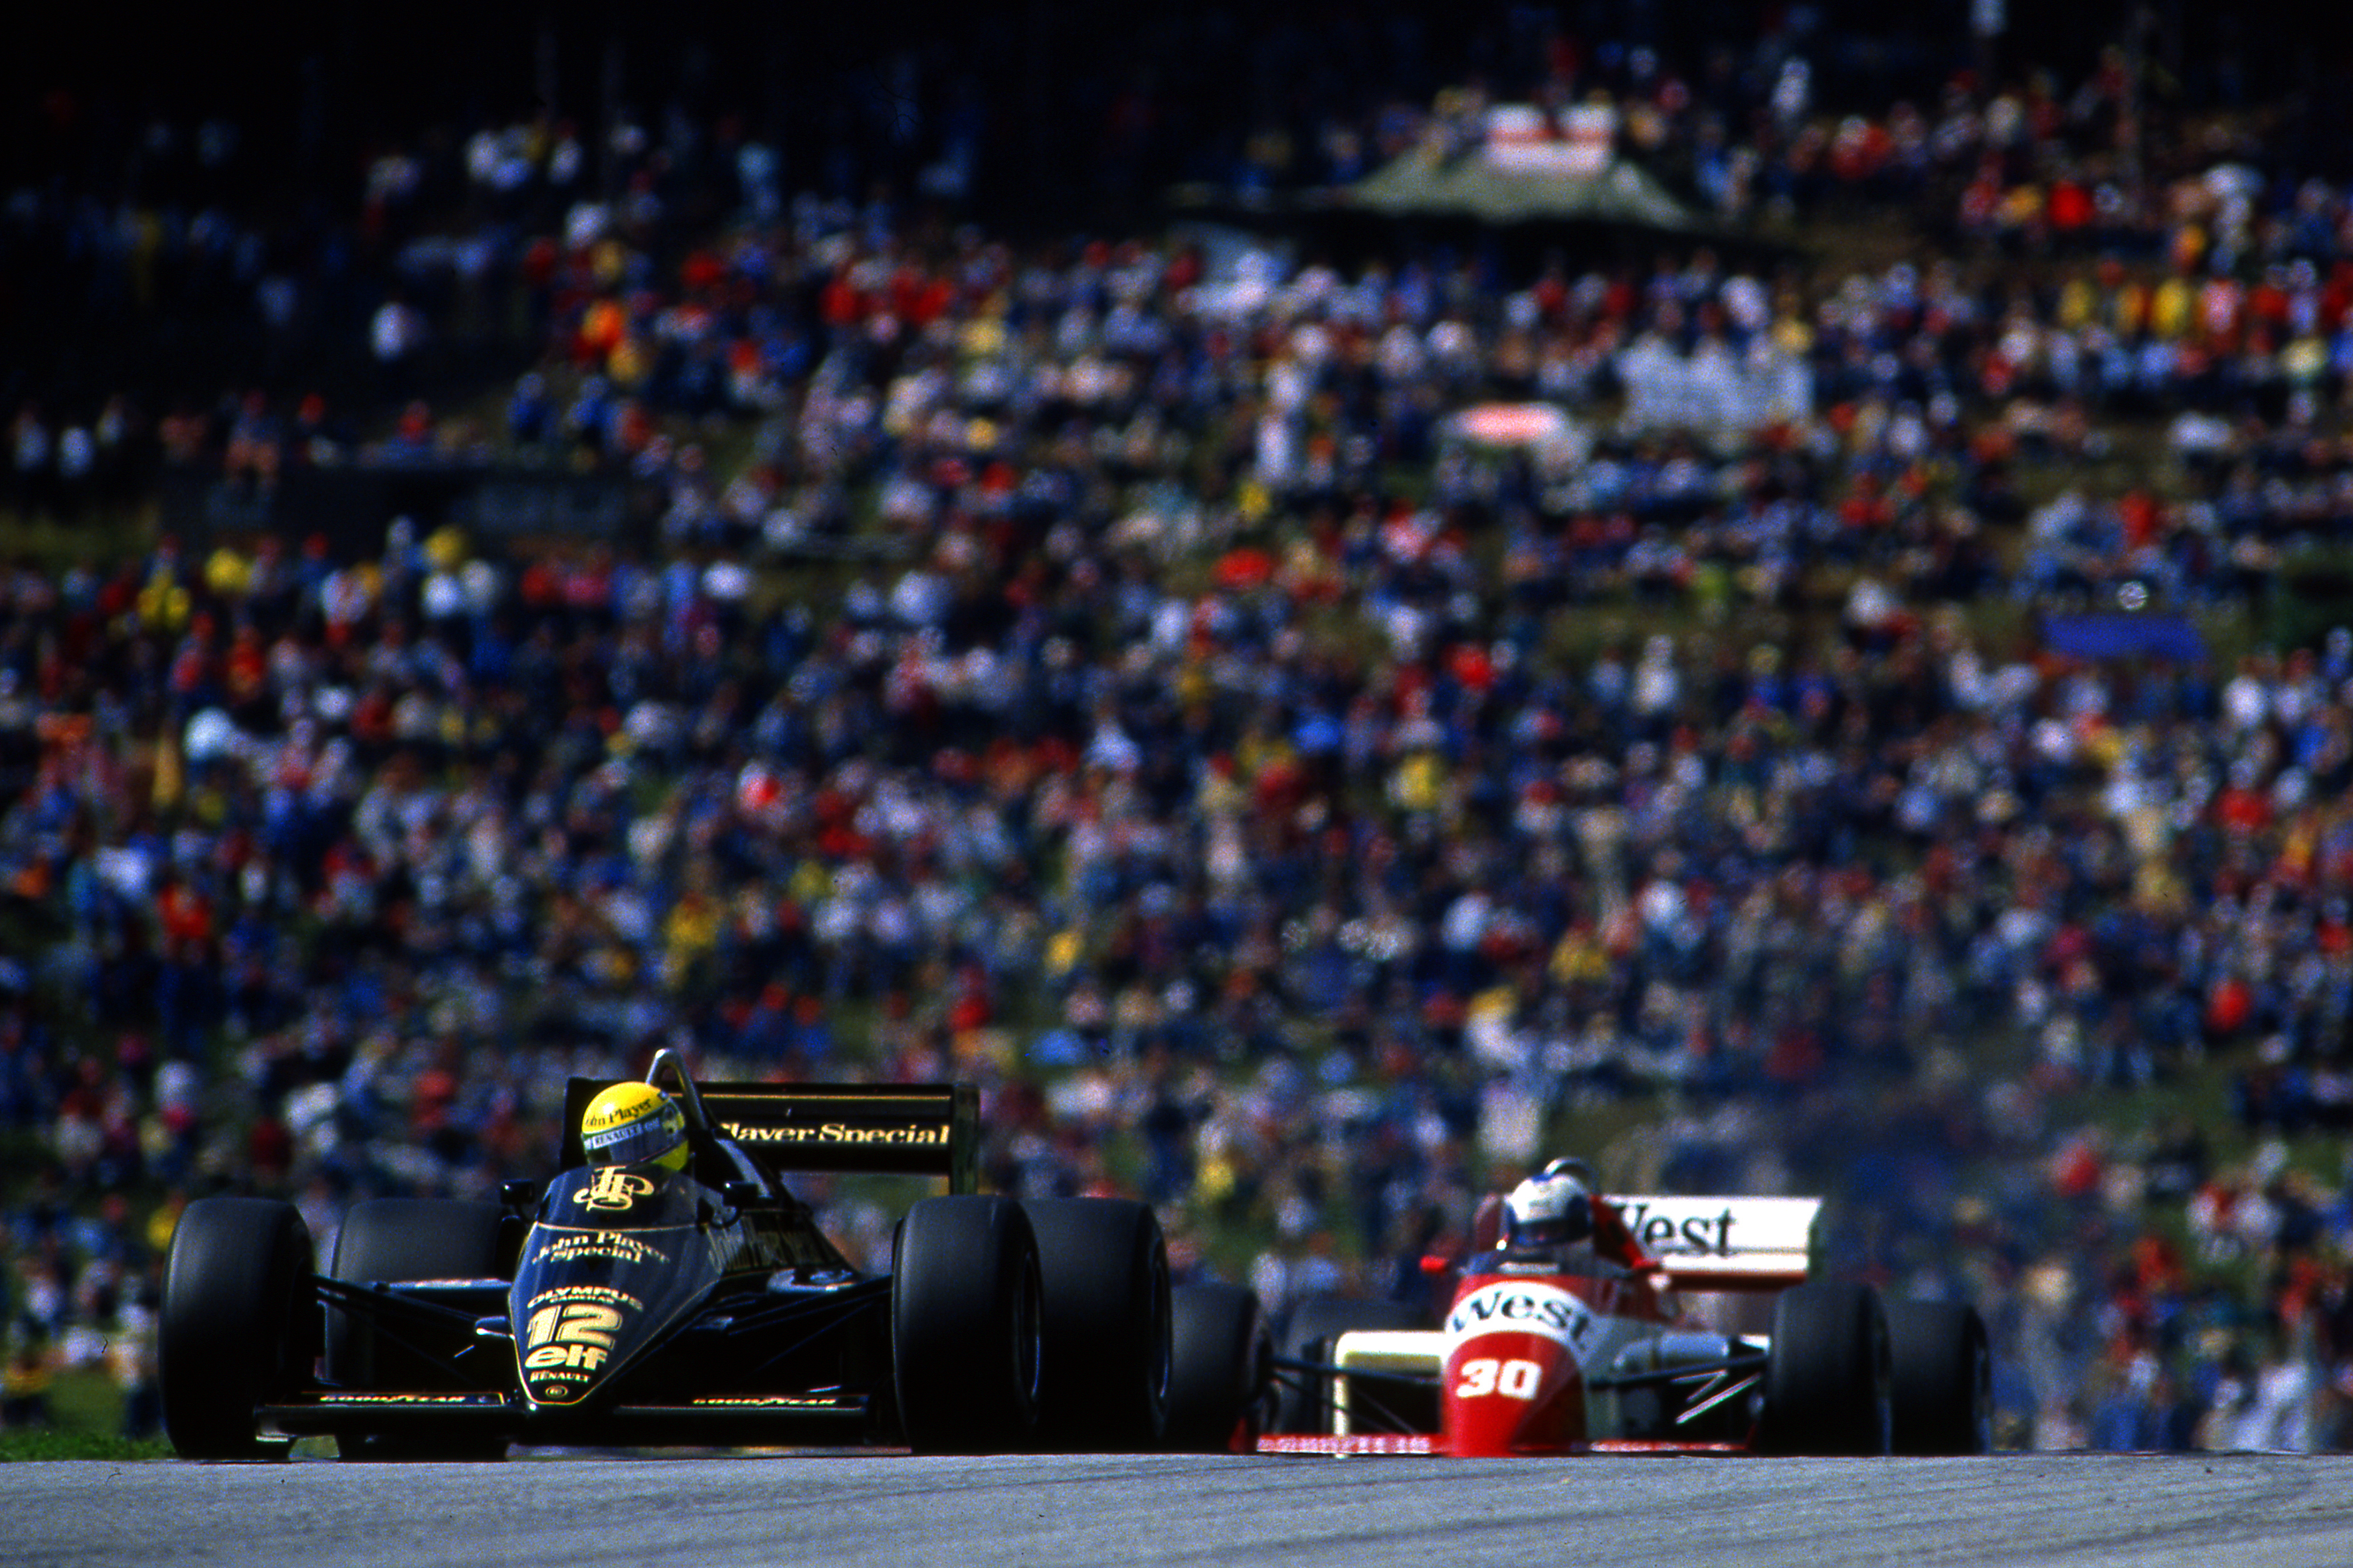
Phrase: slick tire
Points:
(1104, 1267)
(391, 1239)
(1829, 1379)
(1220, 1366)
(238, 1326)
(967, 1326)
(1942, 1378)
(1304, 1400)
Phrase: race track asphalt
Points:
(1046, 1512)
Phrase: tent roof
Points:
(1420, 185)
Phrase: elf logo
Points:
(586, 1357)
(1516, 1305)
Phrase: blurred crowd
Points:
(1118, 669)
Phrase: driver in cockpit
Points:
(1553, 1214)
(634, 1124)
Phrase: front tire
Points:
(967, 1326)
(1829, 1382)
(1221, 1362)
(1942, 1378)
(393, 1239)
(1304, 1403)
(1104, 1266)
(233, 1333)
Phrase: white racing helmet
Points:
(1551, 1208)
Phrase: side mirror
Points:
(522, 1197)
(740, 1194)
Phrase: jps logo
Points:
(614, 1188)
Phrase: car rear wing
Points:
(913, 1130)
(1726, 1244)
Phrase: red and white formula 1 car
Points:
(1599, 1350)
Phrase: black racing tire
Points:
(1220, 1368)
(1829, 1377)
(1104, 1267)
(390, 1239)
(234, 1333)
(1304, 1400)
(1942, 1378)
(967, 1326)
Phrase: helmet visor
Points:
(639, 1142)
(1555, 1230)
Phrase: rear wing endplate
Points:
(913, 1130)
(1726, 1244)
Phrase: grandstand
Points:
(788, 546)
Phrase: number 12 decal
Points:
(578, 1322)
(1512, 1379)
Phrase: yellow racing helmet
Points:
(634, 1124)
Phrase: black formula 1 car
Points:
(623, 1306)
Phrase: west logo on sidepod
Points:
(1525, 1307)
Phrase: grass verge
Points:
(85, 1423)
(45, 1443)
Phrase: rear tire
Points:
(233, 1333)
(1304, 1400)
(393, 1239)
(1829, 1382)
(1942, 1378)
(1104, 1266)
(1220, 1365)
(967, 1326)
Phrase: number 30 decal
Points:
(1512, 1379)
